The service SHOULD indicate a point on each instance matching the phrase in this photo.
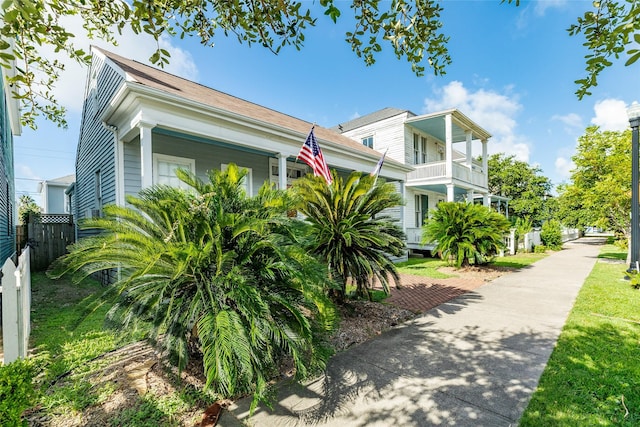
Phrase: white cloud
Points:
(541, 6)
(564, 167)
(572, 120)
(611, 114)
(70, 92)
(494, 111)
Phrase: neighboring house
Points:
(439, 146)
(140, 123)
(53, 195)
(9, 127)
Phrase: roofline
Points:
(135, 88)
(460, 117)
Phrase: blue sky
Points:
(513, 73)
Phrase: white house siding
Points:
(387, 133)
(96, 148)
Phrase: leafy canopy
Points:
(412, 28)
(525, 185)
(599, 191)
(215, 273)
(27, 207)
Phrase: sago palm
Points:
(463, 232)
(349, 229)
(217, 269)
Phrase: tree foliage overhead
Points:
(525, 185)
(600, 189)
(412, 28)
(26, 208)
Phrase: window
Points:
(164, 169)
(421, 209)
(416, 149)
(423, 148)
(294, 171)
(246, 181)
(97, 182)
(368, 141)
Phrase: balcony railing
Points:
(438, 170)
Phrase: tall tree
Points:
(213, 270)
(412, 28)
(600, 189)
(349, 229)
(525, 185)
(26, 208)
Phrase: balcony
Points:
(436, 173)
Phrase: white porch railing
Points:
(437, 170)
(16, 307)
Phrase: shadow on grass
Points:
(592, 378)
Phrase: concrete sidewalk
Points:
(473, 361)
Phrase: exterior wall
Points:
(207, 157)
(387, 133)
(7, 192)
(55, 200)
(96, 149)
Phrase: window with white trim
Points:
(421, 202)
(423, 147)
(164, 169)
(368, 141)
(246, 181)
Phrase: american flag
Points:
(311, 154)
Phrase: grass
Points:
(428, 267)
(593, 375)
(68, 336)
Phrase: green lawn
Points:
(68, 337)
(593, 375)
(428, 267)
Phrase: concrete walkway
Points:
(472, 361)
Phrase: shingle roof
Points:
(161, 80)
(376, 116)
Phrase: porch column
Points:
(469, 150)
(485, 162)
(486, 201)
(146, 157)
(470, 196)
(282, 171)
(451, 194)
(448, 132)
(403, 194)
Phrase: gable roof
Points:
(172, 84)
(376, 116)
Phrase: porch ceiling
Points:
(438, 188)
(434, 124)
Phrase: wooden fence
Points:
(16, 307)
(48, 238)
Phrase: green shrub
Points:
(540, 249)
(16, 391)
(551, 234)
(634, 278)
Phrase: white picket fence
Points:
(16, 307)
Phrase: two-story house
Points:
(439, 146)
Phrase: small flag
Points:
(376, 170)
(311, 154)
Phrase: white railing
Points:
(428, 170)
(16, 307)
(439, 170)
(414, 235)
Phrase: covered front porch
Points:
(456, 166)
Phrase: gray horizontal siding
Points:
(96, 150)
